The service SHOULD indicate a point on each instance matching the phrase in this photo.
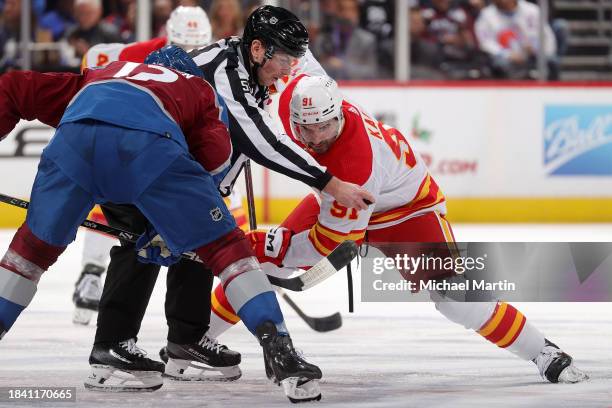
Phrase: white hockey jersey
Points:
(376, 156)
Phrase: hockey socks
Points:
(20, 269)
(249, 292)
(222, 314)
(508, 328)
(223, 317)
(246, 287)
(498, 322)
(16, 294)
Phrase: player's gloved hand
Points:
(270, 246)
(151, 248)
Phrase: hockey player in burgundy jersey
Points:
(189, 28)
(122, 304)
(157, 130)
(410, 208)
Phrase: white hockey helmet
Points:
(315, 99)
(189, 27)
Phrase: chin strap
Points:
(341, 125)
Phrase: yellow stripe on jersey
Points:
(427, 196)
(326, 240)
(337, 236)
(495, 320)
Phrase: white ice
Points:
(385, 355)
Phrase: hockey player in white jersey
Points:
(410, 208)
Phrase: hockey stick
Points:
(320, 324)
(325, 268)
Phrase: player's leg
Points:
(126, 162)
(127, 289)
(222, 316)
(57, 208)
(187, 211)
(191, 355)
(498, 322)
(129, 283)
(88, 287)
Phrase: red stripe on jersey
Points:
(504, 325)
(518, 333)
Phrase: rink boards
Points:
(501, 153)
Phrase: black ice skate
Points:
(556, 366)
(87, 293)
(284, 366)
(123, 367)
(206, 360)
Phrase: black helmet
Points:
(278, 28)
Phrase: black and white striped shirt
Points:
(253, 132)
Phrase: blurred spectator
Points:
(249, 7)
(59, 19)
(38, 6)
(161, 14)
(473, 7)
(377, 17)
(225, 18)
(422, 53)
(451, 41)
(507, 31)
(89, 30)
(345, 50)
(123, 18)
(559, 26)
(10, 36)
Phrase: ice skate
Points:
(557, 366)
(285, 367)
(123, 367)
(206, 360)
(87, 293)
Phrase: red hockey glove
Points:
(270, 246)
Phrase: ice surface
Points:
(385, 355)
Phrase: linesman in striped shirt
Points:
(241, 70)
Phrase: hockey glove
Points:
(151, 248)
(270, 246)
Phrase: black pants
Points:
(129, 285)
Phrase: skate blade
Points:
(181, 370)
(110, 379)
(299, 391)
(572, 375)
(82, 316)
